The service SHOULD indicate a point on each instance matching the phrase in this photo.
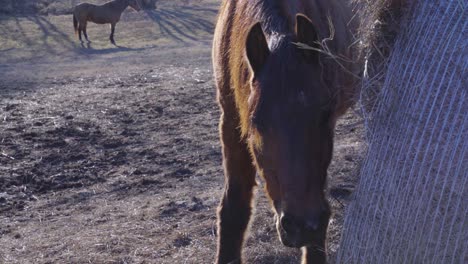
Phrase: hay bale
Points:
(379, 24)
(410, 205)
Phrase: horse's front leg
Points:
(112, 33)
(236, 205)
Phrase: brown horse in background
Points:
(279, 106)
(108, 13)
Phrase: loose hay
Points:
(410, 204)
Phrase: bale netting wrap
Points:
(410, 205)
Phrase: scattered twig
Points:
(7, 156)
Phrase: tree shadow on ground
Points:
(185, 23)
(34, 31)
(51, 38)
(51, 31)
(16, 31)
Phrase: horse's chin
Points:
(289, 241)
(296, 243)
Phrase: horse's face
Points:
(291, 132)
(135, 4)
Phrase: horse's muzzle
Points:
(295, 232)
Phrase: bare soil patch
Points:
(111, 154)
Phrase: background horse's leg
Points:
(84, 31)
(112, 33)
(79, 31)
(236, 206)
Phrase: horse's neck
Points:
(120, 5)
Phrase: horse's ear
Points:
(257, 48)
(306, 34)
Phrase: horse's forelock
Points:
(331, 20)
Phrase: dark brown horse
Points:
(279, 107)
(108, 13)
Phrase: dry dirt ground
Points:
(111, 154)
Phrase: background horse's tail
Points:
(75, 24)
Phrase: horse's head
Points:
(135, 4)
(291, 129)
